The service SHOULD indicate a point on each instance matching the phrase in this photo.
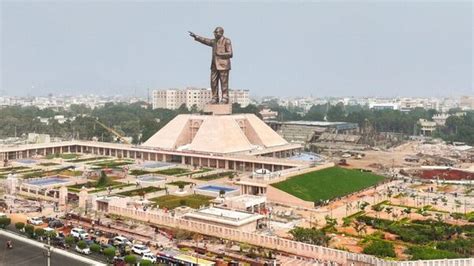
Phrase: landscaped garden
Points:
(328, 183)
(215, 176)
(140, 191)
(102, 184)
(65, 156)
(90, 159)
(112, 163)
(173, 171)
(171, 201)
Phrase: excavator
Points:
(113, 131)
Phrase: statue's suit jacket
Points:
(221, 52)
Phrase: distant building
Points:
(174, 98)
(384, 106)
(466, 102)
(268, 114)
(426, 127)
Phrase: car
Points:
(85, 251)
(150, 257)
(140, 249)
(55, 224)
(119, 261)
(35, 220)
(120, 240)
(79, 233)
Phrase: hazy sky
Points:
(284, 49)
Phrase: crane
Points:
(113, 131)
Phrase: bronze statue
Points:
(220, 64)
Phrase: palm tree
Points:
(389, 210)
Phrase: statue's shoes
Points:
(225, 101)
(213, 101)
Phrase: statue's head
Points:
(218, 32)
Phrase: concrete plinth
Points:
(218, 109)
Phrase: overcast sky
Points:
(282, 49)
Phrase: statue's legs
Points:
(224, 80)
(214, 85)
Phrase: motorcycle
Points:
(9, 244)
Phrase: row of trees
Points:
(141, 121)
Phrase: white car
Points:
(149, 257)
(35, 221)
(120, 240)
(85, 251)
(140, 249)
(79, 233)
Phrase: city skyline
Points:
(319, 49)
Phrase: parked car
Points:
(79, 233)
(120, 240)
(85, 251)
(140, 249)
(55, 224)
(35, 220)
(149, 256)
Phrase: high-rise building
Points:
(174, 98)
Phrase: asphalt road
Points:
(23, 254)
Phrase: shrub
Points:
(145, 263)
(4, 222)
(427, 253)
(82, 244)
(39, 232)
(95, 248)
(29, 230)
(380, 248)
(130, 259)
(19, 225)
(51, 234)
(109, 252)
(70, 240)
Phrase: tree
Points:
(389, 210)
(4, 222)
(109, 252)
(181, 187)
(359, 226)
(51, 234)
(103, 180)
(19, 226)
(82, 244)
(130, 259)
(377, 208)
(330, 222)
(336, 113)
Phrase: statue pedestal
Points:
(218, 109)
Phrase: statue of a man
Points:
(220, 64)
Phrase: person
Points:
(220, 64)
(9, 244)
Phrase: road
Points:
(24, 254)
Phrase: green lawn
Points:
(214, 176)
(328, 183)
(87, 159)
(173, 171)
(172, 201)
(140, 191)
(93, 184)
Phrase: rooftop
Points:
(224, 216)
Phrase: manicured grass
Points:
(71, 173)
(87, 159)
(328, 183)
(200, 171)
(173, 171)
(178, 183)
(138, 192)
(139, 172)
(93, 184)
(172, 201)
(214, 176)
(112, 163)
(48, 164)
(12, 168)
(65, 156)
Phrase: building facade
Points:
(174, 98)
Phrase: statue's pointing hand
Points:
(192, 34)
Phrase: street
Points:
(29, 255)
